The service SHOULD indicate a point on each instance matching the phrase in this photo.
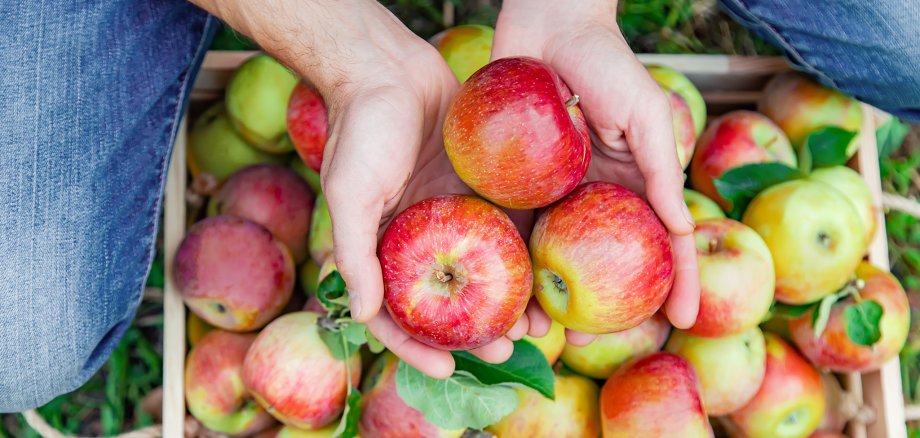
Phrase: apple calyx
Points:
(824, 239)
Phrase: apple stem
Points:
(572, 101)
(713, 245)
(444, 277)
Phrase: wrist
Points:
(528, 27)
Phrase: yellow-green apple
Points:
(701, 207)
(290, 371)
(456, 272)
(833, 349)
(515, 134)
(216, 149)
(273, 196)
(602, 259)
(308, 276)
(320, 237)
(851, 184)
(602, 357)
(682, 121)
(257, 101)
(466, 48)
(383, 412)
(799, 105)
(730, 368)
(674, 80)
(196, 328)
(814, 234)
(790, 401)
(654, 396)
(736, 278)
(307, 124)
(308, 174)
(233, 273)
(573, 414)
(292, 432)
(736, 139)
(552, 344)
(214, 390)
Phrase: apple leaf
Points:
(331, 292)
(338, 343)
(822, 314)
(825, 147)
(741, 184)
(351, 416)
(890, 136)
(862, 322)
(457, 402)
(527, 366)
(372, 343)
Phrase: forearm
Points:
(531, 24)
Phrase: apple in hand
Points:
(515, 134)
(602, 259)
(573, 414)
(701, 207)
(852, 185)
(682, 117)
(814, 234)
(320, 237)
(602, 357)
(736, 278)
(654, 396)
(674, 80)
(456, 272)
(466, 48)
(730, 368)
(833, 349)
(291, 372)
(733, 140)
(257, 101)
(552, 344)
(214, 389)
(307, 124)
(233, 273)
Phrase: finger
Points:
(684, 300)
(431, 361)
(519, 329)
(497, 351)
(579, 339)
(539, 321)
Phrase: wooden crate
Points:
(726, 83)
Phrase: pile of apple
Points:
(458, 274)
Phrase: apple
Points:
(216, 149)
(851, 184)
(823, 434)
(602, 357)
(736, 278)
(214, 389)
(384, 414)
(196, 328)
(834, 350)
(730, 368)
(799, 105)
(674, 80)
(273, 196)
(702, 207)
(307, 124)
(682, 121)
(291, 372)
(309, 277)
(233, 273)
(790, 401)
(257, 101)
(466, 48)
(602, 259)
(552, 344)
(655, 395)
(574, 412)
(515, 134)
(456, 272)
(309, 175)
(325, 432)
(320, 237)
(814, 234)
(733, 140)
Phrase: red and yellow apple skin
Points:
(852, 185)
(834, 350)
(654, 396)
(573, 414)
(513, 135)
(214, 390)
(602, 357)
(233, 273)
(307, 124)
(456, 272)
(674, 80)
(196, 328)
(466, 48)
(602, 259)
(290, 371)
(736, 139)
(736, 278)
(682, 121)
(552, 344)
(320, 236)
(790, 402)
(730, 368)
(800, 106)
(814, 234)
(384, 414)
(701, 207)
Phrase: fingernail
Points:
(688, 216)
(355, 306)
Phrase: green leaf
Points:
(331, 292)
(862, 322)
(527, 366)
(354, 332)
(348, 424)
(822, 314)
(826, 147)
(338, 345)
(741, 184)
(372, 343)
(890, 136)
(457, 402)
(791, 311)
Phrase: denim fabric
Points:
(867, 49)
(90, 93)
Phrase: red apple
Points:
(682, 120)
(307, 124)
(654, 396)
(233, 273)
(291, 372)
(456, 272)
(602, 357)
(602, 259)
(572, 414)
(515, 134)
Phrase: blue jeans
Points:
(90, 96)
